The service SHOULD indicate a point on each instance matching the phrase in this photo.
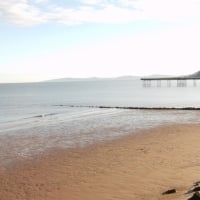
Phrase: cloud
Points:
(31, 12)
(20, 12)
(24, 12)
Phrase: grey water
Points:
(38, 116)
(23, 100)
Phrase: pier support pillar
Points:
(194, 83)
(168, 83)
(149, 83)
(181, 83)
(146, 83)
(158, 83)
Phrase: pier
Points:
(181, 81)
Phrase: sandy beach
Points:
(139, 167)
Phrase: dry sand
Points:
(135, 167)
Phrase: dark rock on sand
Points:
(197, 183)
(196, 196)
(169, 192)
(196, 189)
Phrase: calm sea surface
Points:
(42, 112)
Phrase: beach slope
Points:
(139, 167)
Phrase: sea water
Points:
(38, 116)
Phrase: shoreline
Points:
(139, 166)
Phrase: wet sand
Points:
(138, 167)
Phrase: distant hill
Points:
(71, 79)
(93, 79)
(195, 75)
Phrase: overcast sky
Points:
(45, 39)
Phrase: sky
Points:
(50, 39)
